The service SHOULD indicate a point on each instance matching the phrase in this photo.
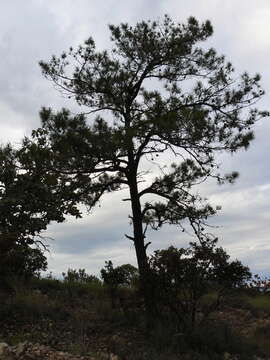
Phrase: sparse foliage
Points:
(259, 284)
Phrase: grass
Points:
(259, 302)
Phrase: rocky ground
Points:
(29, 351)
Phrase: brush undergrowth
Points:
(71, 316)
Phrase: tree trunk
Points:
(145, 280)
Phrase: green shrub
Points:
(125, 275)
(183, 280)
(80, 276)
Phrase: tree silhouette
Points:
(29, 201)
(155, 92)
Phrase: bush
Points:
(209, 341)
(77, 284)
(19, 263)
(80, 276)
(27, 307)
(183, 277)
(125, 275)
(47, 285)
(219, 339)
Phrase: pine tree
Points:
(155, 92)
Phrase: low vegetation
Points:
(203, 308)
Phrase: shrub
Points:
(183, 277)
(219, 339)
(124, 275)
(31, 307)
(19, 262)
(47, 285)
(209, 342)
(80, 276)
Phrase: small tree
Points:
(123, 275)
(131, 275)
(183, 277)
(157, 93)
(29, 201)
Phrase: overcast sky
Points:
(32, 30)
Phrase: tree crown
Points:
(156, 92)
